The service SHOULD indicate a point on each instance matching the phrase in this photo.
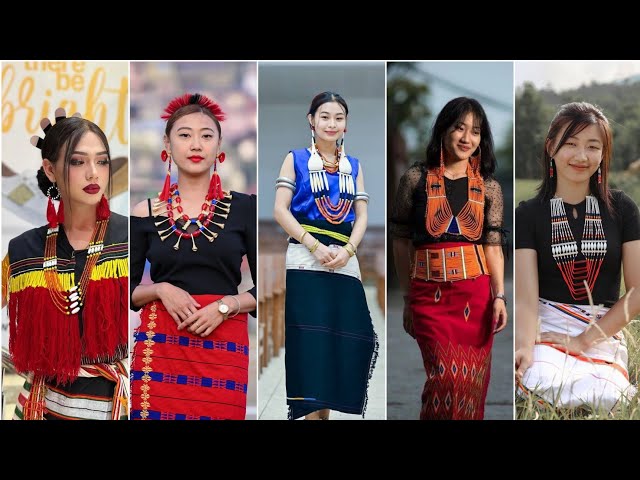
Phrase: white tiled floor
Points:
(272, 403)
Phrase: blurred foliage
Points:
(535, 108)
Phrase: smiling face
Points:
(462, 139)
(580, 156)
(193, 143)
(329, 121)
(88, 174)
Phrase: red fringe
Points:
(103, 212)
(60, 212)
(105, 329)
(184, 100)
(215, 187)
(45, 341)
(52, 218)
(42, 339)
(164, 195)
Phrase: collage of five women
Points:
(312, 240)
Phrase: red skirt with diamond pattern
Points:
(453, 324)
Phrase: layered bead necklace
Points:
(564, 248)
(318, 168)
(209, 209)
(439, 218)
(69, 302)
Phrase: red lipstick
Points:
(92, 189)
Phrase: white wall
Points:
(283, 125)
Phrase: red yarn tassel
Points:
(43, 340)
(164, 195)
(60, 212)
(215, 188)
(103, 211)
(105, 329)
(52, 218)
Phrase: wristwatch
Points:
(223, 308)
(502, 297)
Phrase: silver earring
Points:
(57, 195)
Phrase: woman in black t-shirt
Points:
(572, 240)
(191, 356)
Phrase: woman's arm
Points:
(359, 226)
(526, 307)
(495, 262)
(6, 267)
(287, 221)
(178, 302)
(619, 316)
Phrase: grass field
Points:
(529, 409)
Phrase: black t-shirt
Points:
(214, 268)
(533, 230)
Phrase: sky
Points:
(491, 83)
(565, 75)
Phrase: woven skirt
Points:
(453, 324)
(177, 375)
(330, 344)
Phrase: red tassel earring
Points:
(599, 176)
(52, 217)
(164, 195)
(551, 168)
(102, 211)
(215, 186)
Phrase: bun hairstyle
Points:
(60, 141)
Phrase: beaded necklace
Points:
(333, 213)
(564, 247)
(439, 218)
(70, 302)
(209, 208)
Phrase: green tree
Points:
(532, 120)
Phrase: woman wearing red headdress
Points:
(66, 285)
(191, 352)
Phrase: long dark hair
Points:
(577, 116)
(453, 112)
(64, 135)
(325, 97)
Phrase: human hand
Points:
(407, 320)
(340, 258)
(499, 315)
(524, 359)
(177, 301)
(573, 345)
(204, 321)
(323, 254)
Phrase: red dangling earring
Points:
(164, 195)
(599, 176)
(215, 185)
(53, 218)
(102, 210)
(551, 168)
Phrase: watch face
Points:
(223, 308)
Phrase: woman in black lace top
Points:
(447, 226)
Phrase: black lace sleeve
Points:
(494, 232)
(400, 221)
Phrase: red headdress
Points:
(193, 99)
